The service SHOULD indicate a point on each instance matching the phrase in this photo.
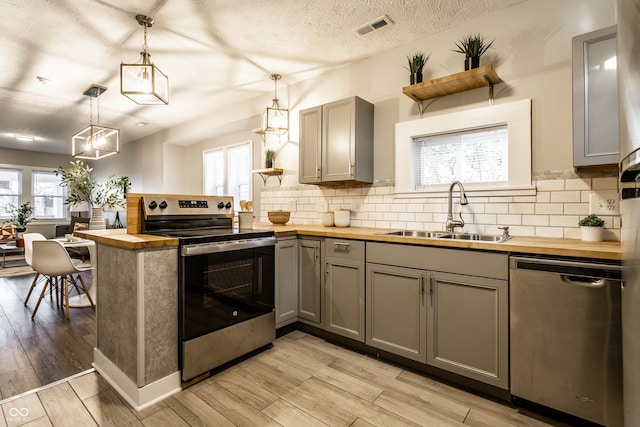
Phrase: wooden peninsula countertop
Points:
(516, 245)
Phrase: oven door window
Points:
(226, 288)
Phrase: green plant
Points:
(19, 216)
(270, 154)
(83, 187)
(591, 221)
(416, 62)
(473, 45)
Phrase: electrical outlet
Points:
(605, 202)
(291, 205)
(323, 206)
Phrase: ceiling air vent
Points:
(374, 25)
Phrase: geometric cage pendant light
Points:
(275, 119)
(95, 141)
(143, 82)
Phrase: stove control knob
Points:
(153, 204)
(163, 205)
(220, 205)
(228, 205)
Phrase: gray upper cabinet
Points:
(344, 131)
(311, 145)
(595, 99)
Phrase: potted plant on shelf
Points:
(591, 228)
(473, 46)
(19, 217)
(416, 64)
(269, 155)
(82, 187)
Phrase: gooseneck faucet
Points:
(453, 223)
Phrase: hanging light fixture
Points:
(143, 82)
(275, 119)
(95, 141)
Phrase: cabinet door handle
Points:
(431, 288)
(422, 287)
(318, 174)
(351, 168)
(342, 245)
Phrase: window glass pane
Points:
(239, 166)
(227, 172)
(472, 156)
(48, 196)
(214, 172)
(10, 189)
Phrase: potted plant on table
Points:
(591, 228)
(19, 217)
(415, 65)
(473, 46)
(82, 187)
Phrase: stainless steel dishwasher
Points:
(566, 339)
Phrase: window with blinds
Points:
(472, 156)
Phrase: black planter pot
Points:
(471, 62)
(415, 78)
(268, 164)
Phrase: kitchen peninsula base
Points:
(137, 350)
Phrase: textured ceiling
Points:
(224, 49)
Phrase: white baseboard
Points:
(138, 398)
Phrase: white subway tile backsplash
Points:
(553, 212)
(565, 197)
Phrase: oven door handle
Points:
(226, 246)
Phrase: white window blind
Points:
(471, 156)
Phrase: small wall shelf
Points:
(266, 173)
(454, 83)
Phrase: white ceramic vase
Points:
(591, 234)
(97, 221)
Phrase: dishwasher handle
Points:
(585, 282)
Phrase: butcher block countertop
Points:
(516, 245)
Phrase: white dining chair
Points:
(29, 238)
(52, 260)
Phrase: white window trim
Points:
(517, 116)
(225, 147)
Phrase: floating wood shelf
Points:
(454, 83)
(269, 172)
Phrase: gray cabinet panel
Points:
(396, 310)
(344, 248)
(595, 99)
(344, 297)
(468, 327)
(472, 263)
(286, 289)
(310, 281)
(310, 145)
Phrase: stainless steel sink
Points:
(447, 235)
(476, 237)
(416, 233)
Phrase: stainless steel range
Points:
(226, 279)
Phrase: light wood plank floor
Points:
(301, 381)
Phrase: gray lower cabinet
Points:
(468, 327)
(458, 322)
(396, 310)
(310, 291)
(344, 288)
(286, 275)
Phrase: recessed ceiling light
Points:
(142, 124)
(23, 138)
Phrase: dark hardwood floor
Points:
(48, 349)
